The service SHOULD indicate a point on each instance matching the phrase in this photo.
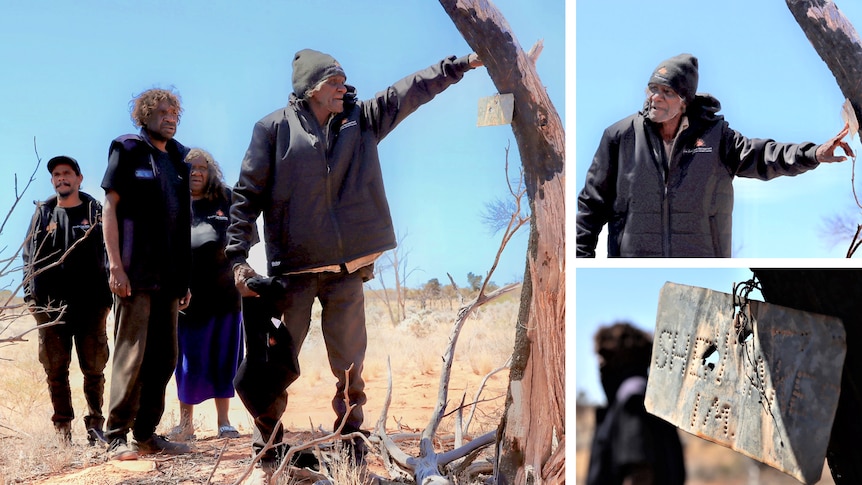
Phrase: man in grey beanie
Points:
(661, 179)
(312, 169)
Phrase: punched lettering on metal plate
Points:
(764, 382)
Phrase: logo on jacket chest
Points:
(699, 147)
(218, 216)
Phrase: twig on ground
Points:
(218, 460)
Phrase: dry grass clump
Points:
(31, 452)
(488, 341)
(27, 438)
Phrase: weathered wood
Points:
(765, 384)
(830, 292)
(533, 429)
(837, 43)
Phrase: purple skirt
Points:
(210, 350)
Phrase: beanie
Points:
(310, 67)
(680, 74)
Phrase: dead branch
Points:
(58, 320)
(17, 431)
(218, 460)
(486, 439)
(459, 423)
(7, 262)
(535, 51)
(481, 388)
(389, 450)
(538, 369)
(457, 291)
(393, 318)
(475, 469)
(62, 257)
(516, 221)
(429, 463)
(427, 467)
(29, 275)
(333, 437)
(449, 354)
(20, 195)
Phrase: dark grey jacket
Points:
(81, 279)
(324, 203)
(682, 208)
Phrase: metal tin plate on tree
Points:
(496, 110)
(765, 384)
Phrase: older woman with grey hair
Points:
(210, 336)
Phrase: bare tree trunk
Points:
(532, 434)
(829, 291)
(837, 43)
(836, 293)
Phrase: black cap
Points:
(64, 160)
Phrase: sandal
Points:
(227, 431)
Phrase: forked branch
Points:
(428, 466)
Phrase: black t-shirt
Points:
(153, 213)
(212, 286)
(81, 277)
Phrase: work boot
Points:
(64, 432)
(356, 450)
(355, 447)
(300, 459)
(120, 450)
(159, 444)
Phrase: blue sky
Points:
(71, 68)
(756, 60)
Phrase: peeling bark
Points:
(836, 41)
(533, 429)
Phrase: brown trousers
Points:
(343, 324)
(85, 327)
(145, 355)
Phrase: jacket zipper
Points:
(665, 222)
(665, 204)
(326, 132)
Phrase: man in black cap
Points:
(661, 179)
(312, 168)
(66, 285)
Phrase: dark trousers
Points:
(85, 327)
(145, 355)
(343, 323)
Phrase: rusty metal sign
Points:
(763, 381)
(496, 110)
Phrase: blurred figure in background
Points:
(630, 446)
(209, 331)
